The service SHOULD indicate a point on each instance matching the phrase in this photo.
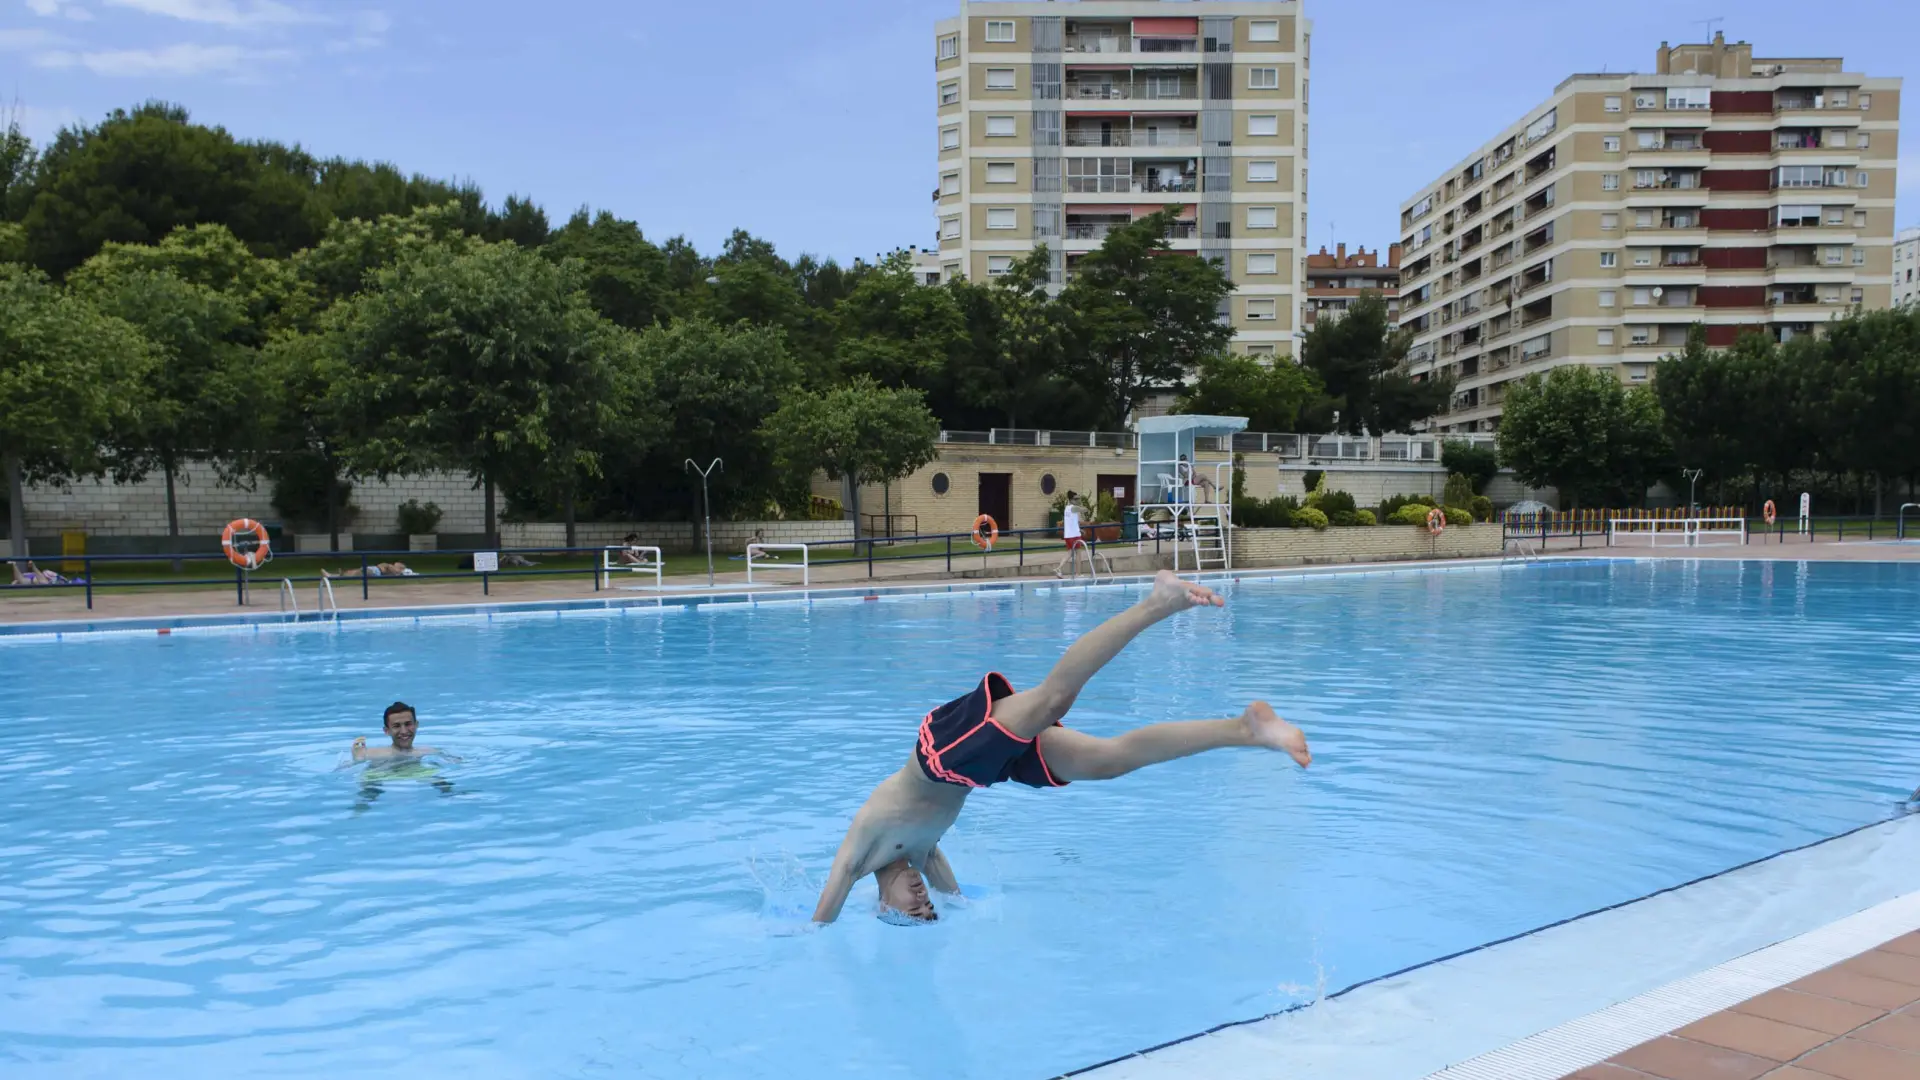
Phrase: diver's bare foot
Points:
(1172, 594)
(1265, 728)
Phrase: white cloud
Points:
(25, 40)
(222, 12)
(183, 59)
(55, 8)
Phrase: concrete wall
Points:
(675, 536)
(1289, 547)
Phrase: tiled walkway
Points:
(1857, 1020)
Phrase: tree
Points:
(308, 424)
(343, 263)
(211, 257)
(476, 358)
(1270, 396)
(897, 331)
(1361, 360)
(17, 163)
(1574, 428)
(69, 378)
(1478, 462)
(626, 275)
(201, 396)
(1141, 316)
(862, 431)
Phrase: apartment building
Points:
(1906, 267)
(1335, 280)
(1058, 122)
(1738, 192)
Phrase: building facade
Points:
(1336, 280)
(1057, 122)
(1906, 267)
(1737, 192)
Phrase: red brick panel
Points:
(1743, 101)
(1740, 258)
(1738, 179)
(1719, 337)
(1740, 142)
(1754, 220)
(1728, 296)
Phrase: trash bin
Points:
(1130, 524)
(73, 543)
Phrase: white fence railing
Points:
(1681, 532)
(632, 558)
(759, 559)
(1328, 448)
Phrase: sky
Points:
(811, 123)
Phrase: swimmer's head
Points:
(401, 725)
(904, 892)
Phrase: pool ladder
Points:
(327, 601)
(288, 601)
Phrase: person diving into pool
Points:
(995, 734)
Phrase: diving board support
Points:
(757, 557)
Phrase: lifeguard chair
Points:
(1193, 502)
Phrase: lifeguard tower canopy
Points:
(1164, 440)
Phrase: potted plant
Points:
(419, 523)
(1106, 519)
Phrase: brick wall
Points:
(1285, 547)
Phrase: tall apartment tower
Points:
(1723, 189)
(1059, 121)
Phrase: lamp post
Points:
(1693, 477)
(706, 508)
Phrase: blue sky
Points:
(811, 123)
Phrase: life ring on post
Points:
(1436, 521)
(1770, 512)
(991, 536)
(243, 556)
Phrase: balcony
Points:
(1537, 239)
(1174, 85)
(1165, 184)
(1167, 44)
(1090, 136)
(1098, 43)
(1541, 165)
(1536, 204)
(1098, 90)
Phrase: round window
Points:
(1046, 484)
(939, 483)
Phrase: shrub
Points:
(300, 492)
(1410, 514)
(1459, 492)
(1276, 513)
(1482, 508)
(1309, 517)
(418, 520)
(1364, 518)
(1392, 504)
(1335, 502)
(1425, 500)
(1312, 479)
(1342, 518)
(1457, 516)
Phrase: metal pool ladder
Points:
(326, 599)
(288, 601)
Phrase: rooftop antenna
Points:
(1707, 24)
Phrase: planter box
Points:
(423, 542)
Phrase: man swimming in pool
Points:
(401, 725)
(995, 734)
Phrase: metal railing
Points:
(757, 556)
(1413, 446)
(1098, 43)
(636, 558)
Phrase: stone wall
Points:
(1290, 547)
(674, 537)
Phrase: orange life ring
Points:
(985, 541)
(1770, 511)
(251, 558)
(1436, 521)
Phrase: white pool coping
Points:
(1544, 1005)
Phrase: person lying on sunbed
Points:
(33, 575)
(384, 569)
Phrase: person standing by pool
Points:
(994, 734)
(1070, 532)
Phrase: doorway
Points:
(1120, 486)
(996, 498)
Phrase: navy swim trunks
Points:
(961, 743)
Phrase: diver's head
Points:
(903, 891)
(401, 725)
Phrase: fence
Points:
(1395, 448)
(1582, 526)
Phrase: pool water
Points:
(616, 879)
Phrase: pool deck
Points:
(1856, 1020)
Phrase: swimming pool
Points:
(616, 880)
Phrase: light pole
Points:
(1693, 477)
(706, 508)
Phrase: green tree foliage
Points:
(897, 332)
(1270, 396)
(18, 159)
(1361, 359)
(626, 275)
(1140, 318)
(1576, 429)
(70, 379)
(1458, 492)
(1478, 462)
(309, 422)
(343, 263)
(861, 430)
(210, 257)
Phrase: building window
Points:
(1639, 335)
(1841, 99)
(1608, 259)
(1610, 181)
(1002, 218)
(1860, 179)
(1859, 256)
(999, 265)
(999, 78)
(949, 93)
(1263, 263)
(950, 228)
(1263, 217)
(1000, 172)
(1267, 124)
(1642, 257)
(950, 183)
(1643, 219)
(1863, 140)
(1642, 297)
(1647, 140)
(1000, 126)
(1263, 30)
(1263, 78)
(1866, 102)
(1836, 215)
(949, 46)
(1612, 103)
(1610, 144)
(1608, 298)
(1859, 295)
(1859, 219)
(1259, 350)
(1609, 221)
(1265, 308)
(1689, 97)
(1606, 336)
(999, 30)
(950, 138)
(1263, 172)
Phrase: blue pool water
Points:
(616, 879)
